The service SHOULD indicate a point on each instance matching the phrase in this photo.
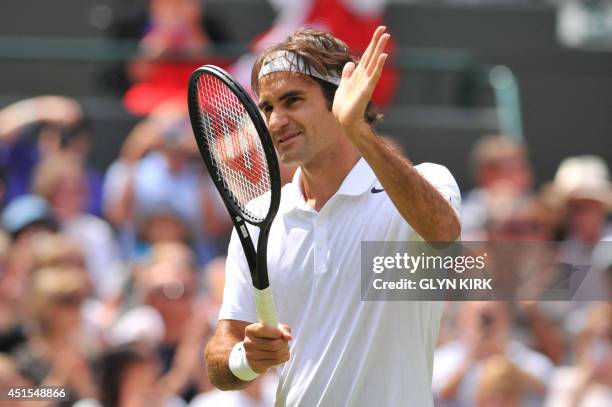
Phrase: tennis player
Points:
(350, 186)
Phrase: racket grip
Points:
(264, 305)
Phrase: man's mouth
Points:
(286, 137)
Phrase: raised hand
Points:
(358, 83)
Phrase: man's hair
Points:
(321, 52)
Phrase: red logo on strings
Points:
(237, 148)
(239, 151)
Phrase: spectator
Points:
(602, 265)
(484, 333)
(9, 375)
(60, 179)
(169, 286)
(161, 224)
(589, 381)
(529, 218)
(33, 128)
(585, 190)
(526, 220)
(174, 252)
(57, 250)
(512, 264)
(142, 330)
(583, 183)
(128, 377)
(8, 319)
(174, 37)
(26, 216)
(159, 183)
(141, 326)
(117, 190)
(502, 172)
(26, 219)
(59, 344)
(76, 140)
(500, 384)
(214, 276)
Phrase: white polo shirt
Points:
(344, 352)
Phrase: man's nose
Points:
(277, 121)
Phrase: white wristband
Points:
(239, 365)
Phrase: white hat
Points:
(139, 325)
(584, 177)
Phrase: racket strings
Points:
(234, 146)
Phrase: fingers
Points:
(261, 366)
(367, 55)
(266, 346)
(378, 52)
(263, 331)
(286, 330)
(348, 69)
(379, 68)
(269, 358)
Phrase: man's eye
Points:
(292, 100)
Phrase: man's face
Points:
(296, 113)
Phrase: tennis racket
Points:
(237, 149)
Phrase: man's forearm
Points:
(217, 354)
(419, 203)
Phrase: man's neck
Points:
(322, 178)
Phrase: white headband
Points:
(287, 61)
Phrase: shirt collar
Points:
(358, 181)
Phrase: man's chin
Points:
(290, 160)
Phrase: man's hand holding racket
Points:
(266, 346)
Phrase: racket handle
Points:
(264, 305)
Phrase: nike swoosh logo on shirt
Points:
(376, 190)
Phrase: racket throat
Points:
(257, 261)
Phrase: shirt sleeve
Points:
(441, 178)
(238, 302)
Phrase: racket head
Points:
(235, 144)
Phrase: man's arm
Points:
(217, 352)
(419, 203)
(265, 347)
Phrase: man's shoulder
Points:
(441, 178)
(433, 171)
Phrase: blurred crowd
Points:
(527, 352)
(110, 281)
